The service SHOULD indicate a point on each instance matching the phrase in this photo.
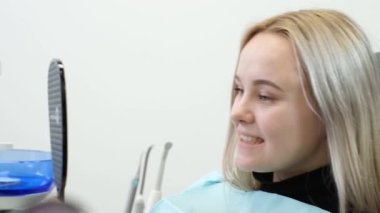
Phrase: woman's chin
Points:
(251, 165)
(246, 165)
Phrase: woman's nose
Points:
(242, 112)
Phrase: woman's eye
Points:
(238, 90)
(265, 98)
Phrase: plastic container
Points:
(26, 177)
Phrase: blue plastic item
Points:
(24, 172)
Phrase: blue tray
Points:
(24, 172)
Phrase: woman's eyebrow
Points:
(236, 78)
(259, 82)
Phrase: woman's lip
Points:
(247, 145)
(243, 136)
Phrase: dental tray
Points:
(25, 172)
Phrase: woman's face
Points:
(276, 129)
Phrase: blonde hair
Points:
(336, 59)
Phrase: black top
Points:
(316, 188)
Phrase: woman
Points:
(304, 121)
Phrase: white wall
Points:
(139, 72)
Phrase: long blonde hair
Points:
(336, 59)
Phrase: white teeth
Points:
(251, 139)
(246, 138)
